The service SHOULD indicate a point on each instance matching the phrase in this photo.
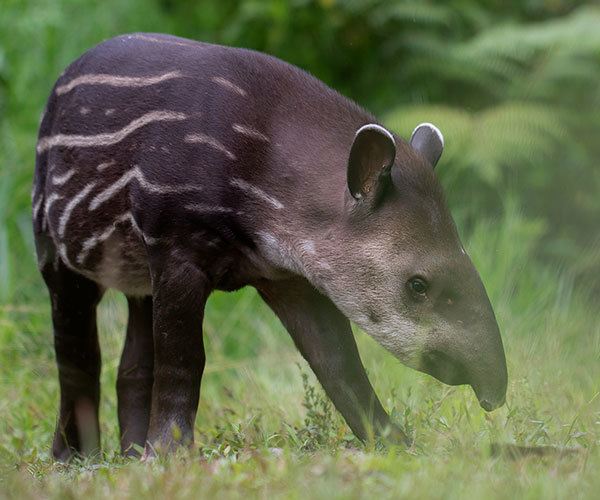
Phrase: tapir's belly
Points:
(120, 264)
(112, 253)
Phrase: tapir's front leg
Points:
(324, 337)
(180, 290)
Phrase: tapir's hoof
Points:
(165, 447)
(149, 455)
(397, 436)
(63, 455)
(61, 451)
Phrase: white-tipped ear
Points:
(429, 141)
(372, 154)
(377, 128)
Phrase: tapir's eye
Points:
(418, 286)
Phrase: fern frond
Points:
(519, 61)
(422, 14)
(512, 135)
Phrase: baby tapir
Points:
(167, 169)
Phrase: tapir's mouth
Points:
(443, 367)
(451, 371)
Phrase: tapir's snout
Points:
(488, 375)
(491, 406)
(471, 357)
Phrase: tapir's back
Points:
(153, 96)
(145, 126)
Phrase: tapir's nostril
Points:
(486, 405)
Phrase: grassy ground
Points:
(264, 428)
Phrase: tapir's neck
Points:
(310, 143)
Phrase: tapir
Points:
(168, 168)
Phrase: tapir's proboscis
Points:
(168, 168)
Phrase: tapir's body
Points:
(181, 145)
(168, 168)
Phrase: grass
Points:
(265, 429)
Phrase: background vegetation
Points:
(514, 86)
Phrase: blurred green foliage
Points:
(514, 86)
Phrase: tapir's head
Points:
(407, 280)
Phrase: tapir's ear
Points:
(429, 141)
(371, 156)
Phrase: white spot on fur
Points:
(64, 218)
(62, 179)
(116, 81)
(84, 110)
(109, 112)
(277, 253)
(249, 132)
(138, 175)
(297, 258)
(270, 242)
(223, 82)
(308, 246)
(109, 138)
(256, 192)
(103, 166)
(209, 141)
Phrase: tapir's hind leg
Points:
(134, 383)
(180, 290)
(74, 300)
(323, 336)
